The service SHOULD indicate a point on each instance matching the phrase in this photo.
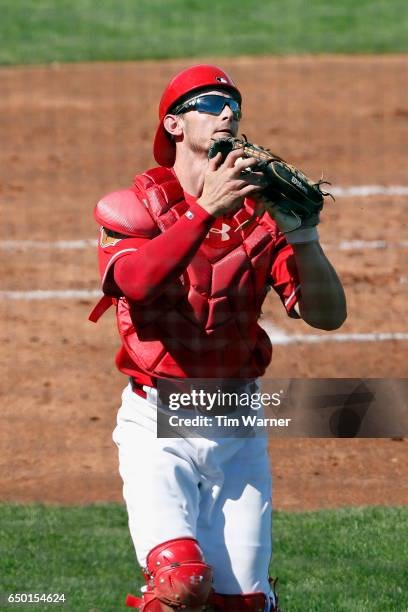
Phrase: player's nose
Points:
(226, 112)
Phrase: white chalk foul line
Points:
(67, 245)
(352, 245)
(363, 191)
(318, 339)
(41, 294)
(44, 245)
(278, 336)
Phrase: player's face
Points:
(200, 127)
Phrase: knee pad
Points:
(176, 575)
(245, 602)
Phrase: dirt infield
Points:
(72, 133)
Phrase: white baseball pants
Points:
(215, 490)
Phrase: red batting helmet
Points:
(192, 79)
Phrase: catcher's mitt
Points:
(288, 190)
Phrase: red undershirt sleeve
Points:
(142, 275)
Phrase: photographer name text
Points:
(224, 421)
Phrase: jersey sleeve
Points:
(284, 277)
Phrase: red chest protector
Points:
(205, 324)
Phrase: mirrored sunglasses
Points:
(211, 104)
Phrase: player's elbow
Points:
(341, 319)
(339, 315)
(326, 321)
(332, 325)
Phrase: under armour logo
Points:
(223, 231)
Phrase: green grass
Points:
(83, 552)
(349, 560)
(353, 560)
(42, 31)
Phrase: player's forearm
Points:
(143, 275)
(322, 303)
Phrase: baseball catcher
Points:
(187, 255)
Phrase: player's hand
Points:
(225, 187)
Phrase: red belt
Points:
(137, 388)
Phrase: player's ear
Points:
(173, 125)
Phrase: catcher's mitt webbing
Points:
(288, 188)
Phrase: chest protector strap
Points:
(161, 191)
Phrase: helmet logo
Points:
(221, 79)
